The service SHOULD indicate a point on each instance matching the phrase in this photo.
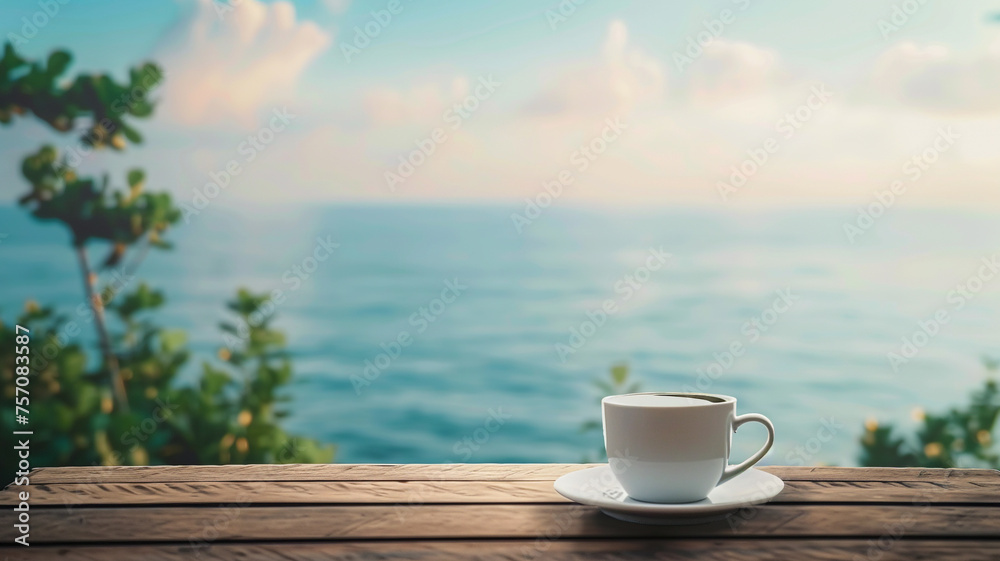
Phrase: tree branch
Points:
(97, 305)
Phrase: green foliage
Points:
(36, 87)
(255, 367)
(90, 209)
(961, 437)
(131, 408)
(230, 416)
(62, 394)
(616, 384)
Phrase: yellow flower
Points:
(933, 449)
(108, 456)
(227, 441)
(106, 404)
(224, 354)
(31, 306)
(244, 418)
(983, 437)
(917, 414)
(139, 456)
(242, 445)
(150, 394)
(871, 423)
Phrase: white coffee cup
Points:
(674, 447)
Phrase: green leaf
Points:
(619, 373)
(172, 339)
(10, 60)
(58, 62)
(140, 108)
(135, 176)
(131, 134)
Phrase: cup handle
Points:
(732, 471)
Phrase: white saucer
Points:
(599, 487)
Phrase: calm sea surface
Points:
(493, 350)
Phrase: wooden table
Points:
(485, 511)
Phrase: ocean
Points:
(442, 334)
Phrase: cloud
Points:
(624, 77)
(229, 63)
(934, 78)
(685, 132)
(423, 104)
(337, 7)
(729, 70)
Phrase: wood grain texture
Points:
(953, 491)
(435, 472)
(523, 550)
(304, 472)
(824, 473)
(489, 512)
(287, 492)
(528, 521)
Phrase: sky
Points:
(737, 103)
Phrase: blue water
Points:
(493, 349)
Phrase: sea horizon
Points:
(493, 351)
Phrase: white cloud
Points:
(336, 7)
(423, 104)
(935, 78)
(229, 63)
(624, 77)
(676, 147)
(729, 70)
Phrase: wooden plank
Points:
(827, 473)
(287, 492)
(435, 492)
(433, 472)
(304, 472)
(954, 491)
(235, 522)
(528, 550)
